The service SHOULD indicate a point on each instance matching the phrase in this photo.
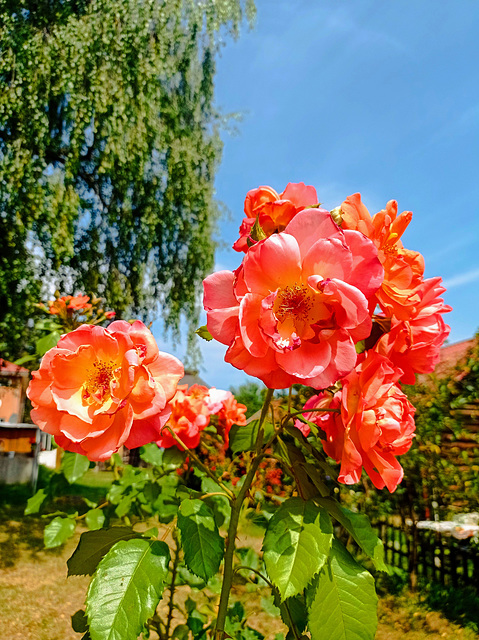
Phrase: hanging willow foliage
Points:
(109, 145)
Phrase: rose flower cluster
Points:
(191, 412)
(335, 302)
(101, 388)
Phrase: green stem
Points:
(284, 604)
(172, 590)
(198, 462)
(264, 413)
(236, 504)
(228, 573)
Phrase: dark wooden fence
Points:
(430, 555)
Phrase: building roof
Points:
(11, 369)
(191, 377)
(451, 355)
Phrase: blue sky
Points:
(369, 96)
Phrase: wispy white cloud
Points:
(462, 278)
(448, 248)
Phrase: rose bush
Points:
(102, 388)
(329, 300)
(191, 411)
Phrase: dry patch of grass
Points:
(37, 600)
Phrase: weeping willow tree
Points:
(109, 144)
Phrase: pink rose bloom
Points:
(101, 388)
(375, 423)
(294, 310)
(274, 211)
(413, 345)
(216, 399)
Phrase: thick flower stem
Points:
(236, 505)
(228, 573)
(172, 588)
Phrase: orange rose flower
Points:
(274, 211)
(403, 269)
(189, 416)
(69, 303)
(101, 388)
(413, 345)
(375, 423)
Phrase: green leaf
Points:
(244, 438)
(343, 601)
(79, 621)
(166, 507)
(203, 332)
(74, 466)
(180, 632)
(296, 545)
(24, 360)
(202, 544)
(173, 457)
(93, 546)
(94, 519)
(126, 588)
(58, 532)
(152, 454)
(47, 342)
(359, 527)
(35, 502)
(360, 346)
(294, 610)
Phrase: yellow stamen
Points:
(99, 377)
(294, 300)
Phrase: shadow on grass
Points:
(20, 534)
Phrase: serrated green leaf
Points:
(204, 333)
(95, 519)
(343, 600)
(93, 546)
(126, 588)
(202, 544)
(244, 438)
(359, 527)
(74, 466)
(152, 454)
(296, 545)
(35, 502)
(47, 342)
(58, 531)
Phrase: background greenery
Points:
(109, 143)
